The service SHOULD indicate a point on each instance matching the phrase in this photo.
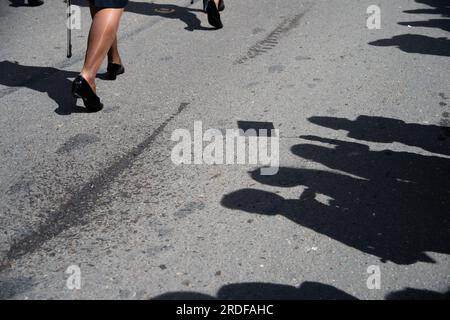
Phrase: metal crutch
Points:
(69, 29)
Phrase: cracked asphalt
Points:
(364, 138)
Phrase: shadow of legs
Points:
(53, 82)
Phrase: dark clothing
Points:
(109, 3)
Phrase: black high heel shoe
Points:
(114, 69)
(221, 5)
(213, 15)
(82, 89)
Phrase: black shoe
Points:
(221, 5)
(114, 70)
(82, 89)
(213, 15)
(35, 3)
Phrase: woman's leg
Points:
(102, 37)
(113, 53)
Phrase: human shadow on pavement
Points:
(20, 3)
(265, 291)
(414, 43)
(393, 205)
(432, 138)
(418, 294)
(306, 291)
(441, 7)
(169, 11)
(443, 24)
(52, 81)
(17, 3)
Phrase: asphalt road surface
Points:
(364, 180)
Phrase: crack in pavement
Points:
(74, 211)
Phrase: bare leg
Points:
(113, 53)
(102, 36)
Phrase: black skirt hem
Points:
(117, 4)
